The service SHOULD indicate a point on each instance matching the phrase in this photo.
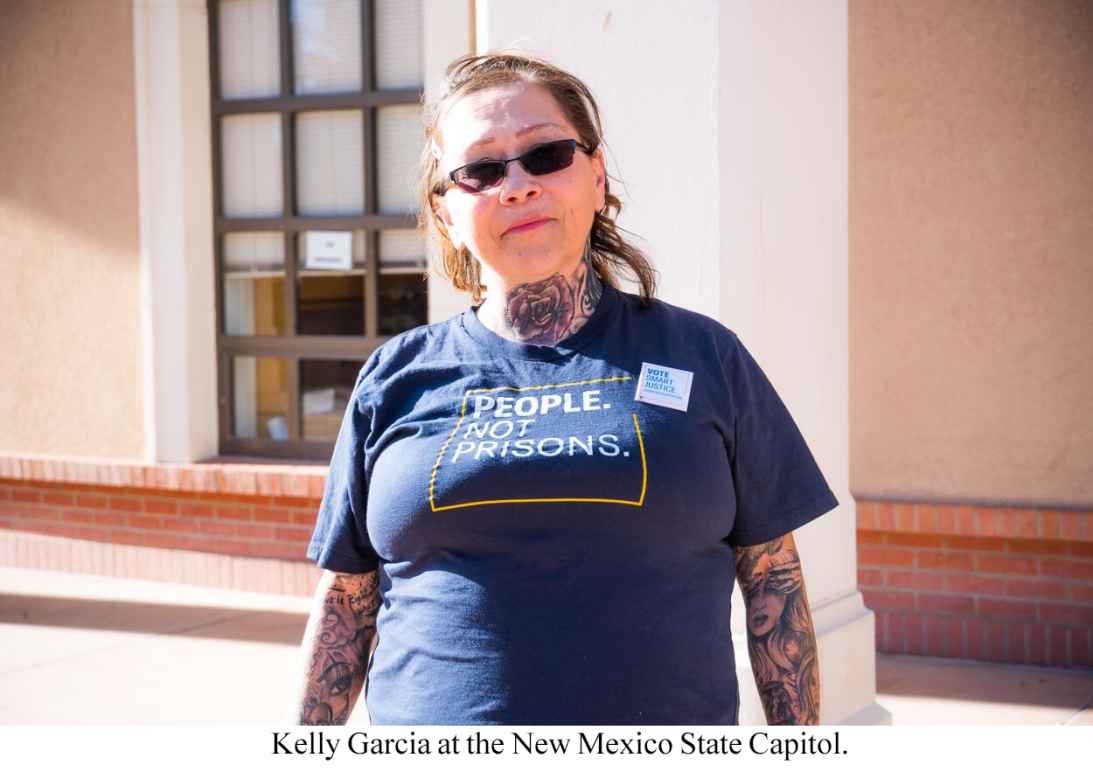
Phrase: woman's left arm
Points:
(781, 638)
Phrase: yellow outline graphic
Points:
(463, 414)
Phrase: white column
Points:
(449, 34)
(171, 58)
(728, 124)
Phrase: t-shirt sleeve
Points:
(778, 485)
(340, 540)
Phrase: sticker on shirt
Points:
(579, 441)
(664, 386)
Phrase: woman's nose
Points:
(518, 185)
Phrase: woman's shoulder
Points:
(397, 353)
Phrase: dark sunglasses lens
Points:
(548, 158)
(481, 175)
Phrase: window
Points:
(316, 133)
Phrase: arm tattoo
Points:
(547, 311)
(781, 639)
(338, 639)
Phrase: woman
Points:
(535, 509)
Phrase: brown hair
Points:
(611, 254)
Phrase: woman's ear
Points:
(600, 172)
(444, 219)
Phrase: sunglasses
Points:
(546, 158)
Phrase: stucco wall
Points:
(971, 220)
(69, 315)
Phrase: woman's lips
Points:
(527, 226)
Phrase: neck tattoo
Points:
(547, 311)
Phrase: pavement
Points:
(82, 649)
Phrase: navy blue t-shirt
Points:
(552, 549)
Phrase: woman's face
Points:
(764, 611)
(555, 209)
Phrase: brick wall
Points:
(232, 525)
(988, 583)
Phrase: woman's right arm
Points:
(336, 646)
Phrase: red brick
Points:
(984, 523)
(975, 632)
(304, 517)
(965, 520)
(996, 642)
(92, 502)
(897, 633)
(77, 516)
(999, 564)
(889, 600)
(283, 551)
(125, 505)
(972, 584)
(946, 519)
(1081, 648)
(122, 536)
(1038, 547)
(935, 603)
(161, 506)
(916, 640)
(1037, 645)
(142, 521)
(926, 518)
(25, 495)
(871, 537)
(1026, 524)
(1006, 610)
(5, 493)
(883, 512)
(880, 622)
(196, 509)
(1082, 549)
(870, 577)
(1049, 524)
(217, 527)
(162, 540)
(914, 540)
(233, 512)
(979, 543)
(109, 518)
(266, 515)
(292, 501)
(915, 580)
(904, 517)
(954, 636)
(1069, 569)
(1066, 613)
(58, 499)
(1069, 525)
(254, 531)
(292, 534)
(1056, 646)
(865, 518)
(179, 524)
(953, 561)
(935, 636)
(1052, 589)
(1081, 593)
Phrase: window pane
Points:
(400, 27)
(260, 405)
(399, 137)
(402, 249)
(330, 163)
(249, 49)
(325, 389)
(331, 302)
(326, 45)
(251, 150)
(254, 283)
(402, 303)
